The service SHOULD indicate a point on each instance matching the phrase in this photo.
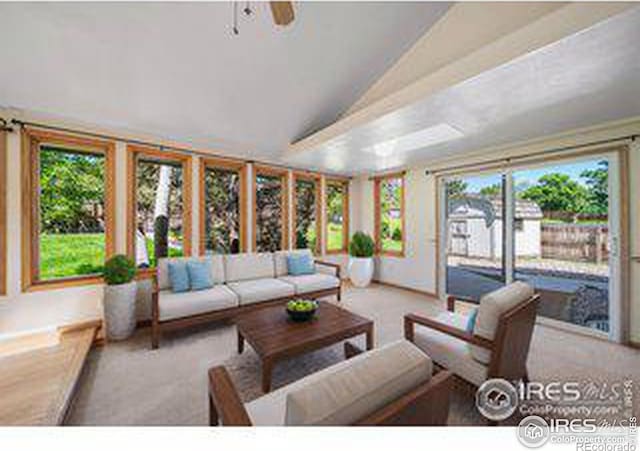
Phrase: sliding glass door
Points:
(553, 225)
(475, 262)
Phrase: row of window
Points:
(70, 220)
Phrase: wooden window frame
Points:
(378, 212)
(134, 152)
(316, 179)
(241, 169)
(345, 215)
(32, 140)
(283, 174)
(3, 213)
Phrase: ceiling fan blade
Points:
(282, 12)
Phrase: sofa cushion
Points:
(365, 384)
(217, 268)
(492, 305)
(311, 282)
(258, 290)
(178, 305)
(271, 409)
(200, 274)
(448, 351)
(248, 266)
(179, 276)
(300, 264)
(280, 258)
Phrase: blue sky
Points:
(531, 176)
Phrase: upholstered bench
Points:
(240, 282)
(391, 385)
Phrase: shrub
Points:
(119, 270)
(361, 245)
(397, 234)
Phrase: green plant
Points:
(361, 245)
(119, 269)
(397, 234)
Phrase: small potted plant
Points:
(361, 250)
(120, 297)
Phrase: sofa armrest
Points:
(224, 402)
(411, 319)
(334, 266)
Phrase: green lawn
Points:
(388, 243)
(334, 237)
(391, 245)
(67, 255)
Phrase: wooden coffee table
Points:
(275, 337)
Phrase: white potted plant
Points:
(120, 297)
(361, 250)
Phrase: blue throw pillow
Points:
(471, 320)
(200, 274)
(300, 264)
(179, 276)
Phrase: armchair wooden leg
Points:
(339, 293)
(155, 336)
(213, 413)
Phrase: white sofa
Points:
(389, 385)
(241, 282)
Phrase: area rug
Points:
(245, 372)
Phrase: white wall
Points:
(417, 268)
(44, 309)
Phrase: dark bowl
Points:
(301, 316)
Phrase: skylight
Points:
(417, 140)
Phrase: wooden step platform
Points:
(37, 386)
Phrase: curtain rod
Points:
(4, 127)
(138, 142)
(531, 155)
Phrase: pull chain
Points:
(235, 19)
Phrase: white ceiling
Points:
(175, 70)
(585, 79)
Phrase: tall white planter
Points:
(120, 310)
(361, 271)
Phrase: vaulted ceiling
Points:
(175, 71)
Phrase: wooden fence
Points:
(575, 242)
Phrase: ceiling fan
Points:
(282, 13)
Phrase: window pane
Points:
(72, 228)
(562, 248)
(335, 217)
(305, 214)
(222, 211)
(475, 263)
(159, 212)
(268, 213)
(391, 214)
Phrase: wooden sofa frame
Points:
(510, 345)
(425, 405)
(158, 326)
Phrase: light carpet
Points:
(127, 383)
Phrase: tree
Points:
(558, 193)
(456, 189)
(72, 192)
(494, 190)
(597, 180)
